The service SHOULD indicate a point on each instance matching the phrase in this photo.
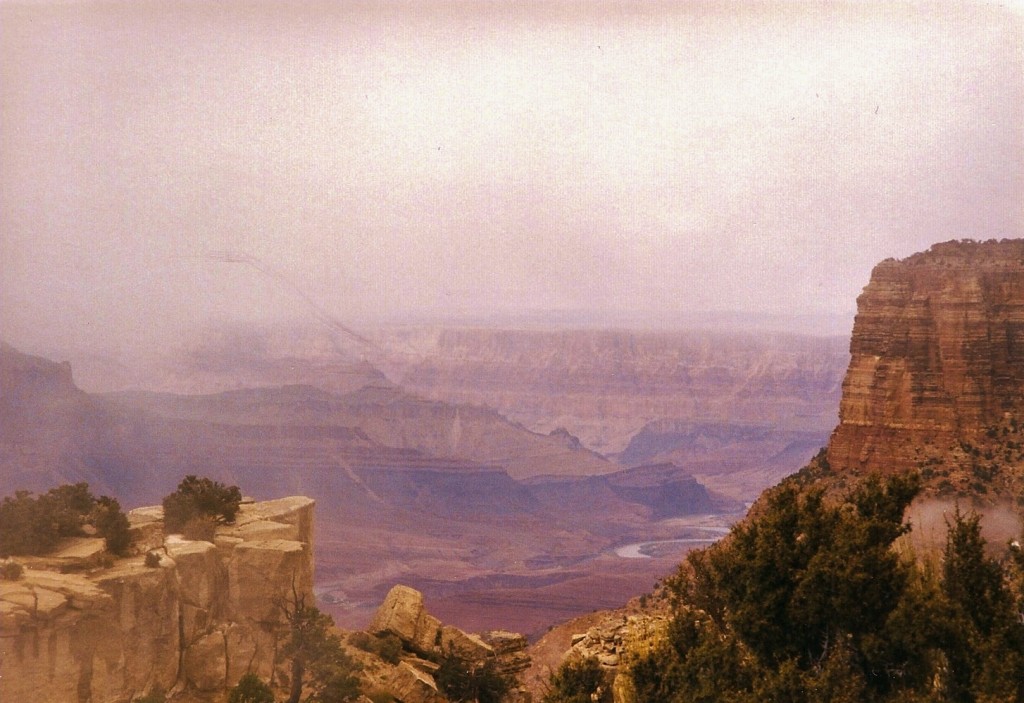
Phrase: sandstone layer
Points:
(204, 616)
(937, 365)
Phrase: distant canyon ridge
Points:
(444, 458)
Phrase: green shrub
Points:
(320, 668)
(152, 560)
(463, 680)
(34, 524)
(387, 646)
(112, 524)
(11, 570)
(200, 497)
(808, 601)
(251, 689)
(579, 681)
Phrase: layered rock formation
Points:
(404, 615)
(604, 385)
(204, 616)
(937, 364)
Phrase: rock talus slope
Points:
(937, 358)
(205, 616)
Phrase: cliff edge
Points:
(196, 616)
(937, 367)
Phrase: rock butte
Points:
(937, 357)
(205, 616)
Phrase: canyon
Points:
(935, 387)
(738, 410)
(457, 488)
(446, 494)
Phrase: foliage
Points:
(152, 560)
(466, 680)
(200, 497)
(251, 689)
(35, 524)
(112, 525)
(386, 646)
(320, 668)
(807, 601)
(11, 570)
(579, 681)
(986, 661)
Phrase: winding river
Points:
(637, 549)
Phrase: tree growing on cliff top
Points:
(200, 498)
(32, 524)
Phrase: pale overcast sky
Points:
(387, 159)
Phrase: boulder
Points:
(469, 646)
(510, 650)
(403, 614)
(410, 685)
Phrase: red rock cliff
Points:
(937, 361)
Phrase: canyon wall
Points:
(603, 386)
(937, 363)
(200, 619)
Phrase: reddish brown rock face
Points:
(937, 361)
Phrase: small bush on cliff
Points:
(200, 497)
(387, 646)
(32, 524)
(466, 681)
(251, 689)
(579, 681)
(112, 524)
(11, 570)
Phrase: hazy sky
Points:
(398, 158)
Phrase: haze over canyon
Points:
(455, 480)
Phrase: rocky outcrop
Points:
(200, 619)
(403, 615)
(409, 684)
(509, 650)
(614, 639)
(937, 360)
